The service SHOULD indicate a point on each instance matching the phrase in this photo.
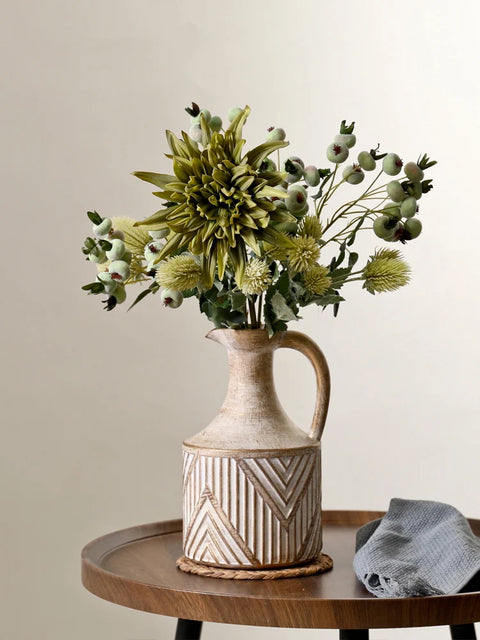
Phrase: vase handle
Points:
(301, 342)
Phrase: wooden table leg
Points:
(353, 634)
(463, 632)
(188, 629)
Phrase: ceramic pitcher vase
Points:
(252, 478)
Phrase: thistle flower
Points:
(135, 238)
(311, 226)
(219, 201)
(179, 273)
(304, 254)
(385, 271)
(256, 277)
(317, 279)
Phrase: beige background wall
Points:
(95, 405)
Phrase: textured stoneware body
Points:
(252, 478)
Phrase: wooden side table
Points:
(136, 568)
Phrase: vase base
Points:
(320, 565)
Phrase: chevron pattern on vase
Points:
(252, 512)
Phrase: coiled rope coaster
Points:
(320, 565)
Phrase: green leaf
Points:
(94, 287)
(281, 309)
(153, 288)
(237, 300)
(95, 217)
(105, 245)
(158, 179)
(352, 259)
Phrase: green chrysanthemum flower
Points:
(256, 277)
(304, 254)
(311, 226)
(179, 273)
(385, 271)
(135, 238)
(219, 201)
(317, 279)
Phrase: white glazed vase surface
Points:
(252, 478)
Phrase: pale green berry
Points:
(215, 123)
(414, 227)
(383, 229)
(119, 270)
(395, 191)
(296, 200)
(366, 161)
(353, 173)
(116, 234)
(337, 153)
(120, 294)
(392, 210)
(311, 175)
(276, 135)
(152, 249)
(170, 298)
(159, 234)
(294, 171)
(233, 113)
(413, 172)
(109, 283)
(97, 255)
(102, 229)
(206, 114)
(409, 207)
(117, 250)
(195, 132)
(348, 139)
(298, 160)
(392, 164)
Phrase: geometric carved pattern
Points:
(252, 512)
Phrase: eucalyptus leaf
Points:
(281, 309)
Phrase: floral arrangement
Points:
(245, 233)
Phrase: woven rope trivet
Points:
(320, 565)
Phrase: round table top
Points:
(136, 568)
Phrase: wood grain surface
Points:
(135, 568)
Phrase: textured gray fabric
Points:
(418, 548)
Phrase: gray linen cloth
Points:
(419, 548)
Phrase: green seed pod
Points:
(347, 139)
(298, 160)
(170, 298)
(408, 207)
(215, 123)
(119, 270)
(392, 164)
(117, 250)
(296, 200)
(366, 161)
(337, 153)
(395, 191)
(392, 210)
(413, 172)
(353, 173)
(415, 189)
(268, 165)
(195, 132)
(233, 113)
(414, 227)
(102, 229)
(294, 171)
(383, 229)
(120, 294)
(276, 135)
(311, 175)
